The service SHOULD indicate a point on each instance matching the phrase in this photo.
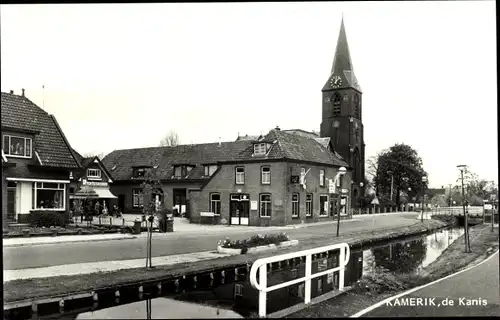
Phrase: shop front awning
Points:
(93, 193)
(104, 193)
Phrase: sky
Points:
(119, 76)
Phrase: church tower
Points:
(342, 114)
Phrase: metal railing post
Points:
(342, 268)
(307, 286)
(263, 293)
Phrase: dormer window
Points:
(259, 148)
(94, 173)
(139, 172)
(178, 171)
(18, 147)
(210, 169)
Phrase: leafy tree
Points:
(171, 139)
(100, 155)
(439, 200)
(402, 163)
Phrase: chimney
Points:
(23, 92)
(11, 91)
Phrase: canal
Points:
(230, 295)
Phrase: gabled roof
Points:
(85, 161)
(19, 113)
(342, 64)
(120, 163)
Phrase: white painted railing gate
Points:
(261, 266)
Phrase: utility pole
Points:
(424, 180)
(466, 222)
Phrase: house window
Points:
(139, 172)
(295, 205)
(309, 205)
(215, 203)
(321, 178)
(17, 146)
(137, 198)
(259, 148)
(240, 175)
(238, 290)
(49, 195)
(265, 205)
(94, 173)
(178, 171)
(210, 169)
(323, 205)
(266, 175)
(336, 105)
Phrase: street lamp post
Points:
(409, 191)
(466, 222)
(342, 171)
(361, 184)
(424, 180)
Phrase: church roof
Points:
(342, 67)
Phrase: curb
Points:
(61, 242)
(385, 301)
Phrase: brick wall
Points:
(224, 183)
(281, 191)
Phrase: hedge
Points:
(45, 218)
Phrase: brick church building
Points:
(342, 114)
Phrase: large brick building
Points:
(244, 182)
(37, 160)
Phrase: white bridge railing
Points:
(261, 266)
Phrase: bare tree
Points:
(100, 155)
(171, 139)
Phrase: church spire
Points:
(342, 73)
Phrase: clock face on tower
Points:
(335, 82)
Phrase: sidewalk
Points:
(102, 266)
(16, 242)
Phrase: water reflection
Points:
(160, 308)
(410, 255)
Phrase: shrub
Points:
(254, 241)
(42, 218)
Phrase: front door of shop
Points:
(11, 200)
(239, 209)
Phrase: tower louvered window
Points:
(336, 105)
(356, 107)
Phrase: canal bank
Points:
(372, 289)
(24, 292)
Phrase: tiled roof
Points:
(120, 163)
(304, 133)
(247, 138)
(18, 112)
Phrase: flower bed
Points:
(255, 243)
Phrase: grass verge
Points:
(371, 290)
(36, 288)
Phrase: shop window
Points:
(47, 195)
(16, 146)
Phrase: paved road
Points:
(171, 244)
(475, 292)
